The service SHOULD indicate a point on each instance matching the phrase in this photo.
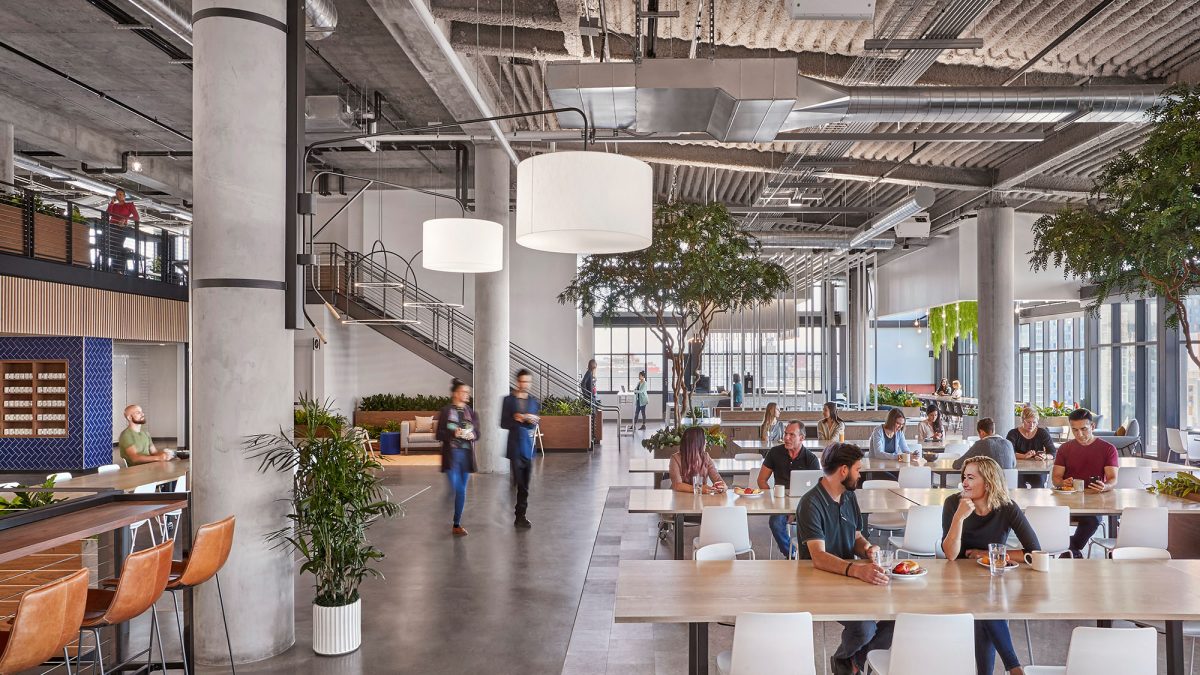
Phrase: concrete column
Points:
(493, 172)
(6, 152)
(241, 354)
(995, 267)
(857, 328)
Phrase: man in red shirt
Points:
(1090, 460)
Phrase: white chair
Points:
(770, 643)
(911, 654)
(803, 480)
(1140, 526)
(719, 551)
(1140, 553)
(752, 477)
(725, 524)
(1010, 478)
(108, 468)
(6, 486)
(1177, 445)
(165, 521)
(1129, 651)
(957, 448)
(1052, 524)
(1193, 448)
(748, 456)
(890, 522)
(922, 532)
(916, 477)
(1134, 477)
(59, 477)
(134, 527)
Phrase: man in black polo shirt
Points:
(830, 526)
(782, 460)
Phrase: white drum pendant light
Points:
(584, 202)
(462, 245)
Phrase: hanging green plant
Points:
(950, 322)
(937, 330)
(968, 319)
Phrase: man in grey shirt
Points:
(990, 445)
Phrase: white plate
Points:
(917, 575)
(1063, 492)
(753, 496)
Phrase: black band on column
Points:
(239, 14)
(238, 283)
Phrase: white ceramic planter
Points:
(337, 630)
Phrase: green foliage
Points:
(318, 417)
(1140, 234)
(23, 501)
(336, 496)
(554, 406)
(1055, 409)
(897, 398)
(669, 437)
(950, 322)
(39, 206)
(391, 427)
(699, 264)
(403, 402)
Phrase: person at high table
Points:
(930, 428)
(1088, 459)
(781, 461)
(736, 391)
(771, 430)
(943, 388)
(982, 514)
(831, 530)
(692, 462)
(457, 429)
(887, 441)
(519, 415)
(831, 427)
(956, 389)
(641, 399)
(135, 443)
(1031, 442)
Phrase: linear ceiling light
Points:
(462, 245)
(921, 199)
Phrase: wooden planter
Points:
(321, 432)
(568, 432)
(379, 418)
(11, 231)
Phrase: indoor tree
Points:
(700, 264)
(1140, 232)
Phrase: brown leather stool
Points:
(142, 581)
(47, 620)
(209, 552)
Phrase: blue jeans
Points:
(860, 637)
(992, 636)
(459, 475)
(779, 530)
(639, 410)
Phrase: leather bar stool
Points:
(46, 621)
(209, 552)
(143, 579)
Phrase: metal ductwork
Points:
(321, 18)
(822, 241)
(752, 100)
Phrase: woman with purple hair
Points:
(692, 461)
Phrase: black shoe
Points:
(642, 428)
(523, 523)
(840, 666)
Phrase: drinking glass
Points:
(884, 558)
(997, 559)
(697, 484)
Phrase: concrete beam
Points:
(50, 131)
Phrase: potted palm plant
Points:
(336, 496)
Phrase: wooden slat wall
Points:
(32, 307)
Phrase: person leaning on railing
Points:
(120, 214)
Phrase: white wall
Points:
(151, 376)
(908, 363)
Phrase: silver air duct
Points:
(821, 241)
(921, 199)
(752, 100)
(321, 16)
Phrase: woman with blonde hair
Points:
(771, 430)
(983, 513)
(1031, 441)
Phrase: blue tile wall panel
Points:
(80, 449)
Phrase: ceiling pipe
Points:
(922, 198)
(321, 18)
(822, 241)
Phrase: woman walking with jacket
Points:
(458, 429)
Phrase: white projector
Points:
(832, 10)
(914, 227)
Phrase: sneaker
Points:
(642, 428)
(841, 666)
(523, 523)
(458, 531)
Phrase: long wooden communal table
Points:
(130, 478)
(684, 591)
(681, 504)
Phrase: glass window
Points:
(1150, 428)
(637, 340)
(1052, 334)
(1128, 387)
(1068, 333)
(1105, 324)
(620, 340)
(1104, 402)
(603, 339)
(1039, 335)
(1128, 322)
(1024, 335)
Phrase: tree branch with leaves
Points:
(699, 265)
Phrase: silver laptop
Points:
(803, 480)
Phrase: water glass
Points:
(884, 558)
(997, 559)
(697, 484)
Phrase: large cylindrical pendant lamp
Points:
(584, 202)
(462, 245)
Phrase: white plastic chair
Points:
(752, 477)
(892, 521)
(1129, 651)
(1052, 525)
(108, 468)
(803, 480)
(165, 520)
(922, 532)
(59, 477)
(1193, 447)
(719, 551)
(916, 477)
(748, 456)
(1140, 526)
(134, 527)
(1140, 553)
(1177, 445)
(6, 486)
(770, 643)
(1010, 478)
(725, 524)
(911, 654)
(1134, 477)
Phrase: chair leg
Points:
(162, 654)
(1029, 643)
(228, 643)
(67, 660)
(179, 624)
(98, 655)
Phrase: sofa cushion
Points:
(1120, 431)
(1132, 428)
(417, 437)
(423, 425)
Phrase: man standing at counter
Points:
(136, 445)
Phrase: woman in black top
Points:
(1031, 442)
(943, 388)
(983, 514)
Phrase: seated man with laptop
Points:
(780, 462)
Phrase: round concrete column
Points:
(997, 369)
(6, 152)
(493, 173)
(241, 367)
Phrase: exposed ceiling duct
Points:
(822, 241)
(321, 18)
(920, 200)
(752, 100)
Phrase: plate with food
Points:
(749, 491)
(908, 569)
(1009, 563)
(1066, 487)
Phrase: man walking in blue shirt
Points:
(519, 415)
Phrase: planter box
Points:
(1054, 422)
(11, 232)
(379, 418)
(321, 432)
(568, 432)
(337, 630)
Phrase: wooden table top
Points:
(1080, 503)
(670, 502)
(685, 591)
(128, 479)
(23, 540)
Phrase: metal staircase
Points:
(361, 289)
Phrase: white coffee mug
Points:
(780, 491)
(1039, 560)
